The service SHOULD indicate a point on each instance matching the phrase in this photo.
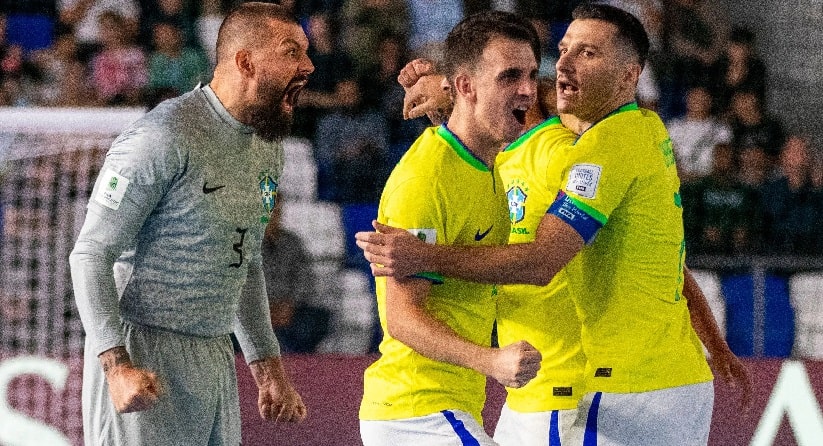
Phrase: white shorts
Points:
(445, 428)
(677, 416)
(533, 428)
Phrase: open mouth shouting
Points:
(520, 114)
(293, 92)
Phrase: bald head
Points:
(243, 26)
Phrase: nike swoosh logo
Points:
(480, 236)
(208, 190)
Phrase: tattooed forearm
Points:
(114, 357)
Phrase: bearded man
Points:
(168, 265)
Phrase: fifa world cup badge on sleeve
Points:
(112, 190)
(427, 235)
(583, 180)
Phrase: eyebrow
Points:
(510, 72)
(291, 42)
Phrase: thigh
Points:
(679, 415)
(538, 428)
(198, 403)
(446, 428)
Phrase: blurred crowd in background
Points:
(750, 185)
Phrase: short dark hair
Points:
(467, 40)
(246, 22)
(629, 28)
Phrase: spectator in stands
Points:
(119, 72)
(696, 134)
(180, 13)
(739, 69)
(721, 214)
(299, 316)
(351, 147)
(431, 21)
(696, 32)
(753, 126)
(64, 82)
(333, 77)
(755, 166)
(82, 17)
(17, 74)
(363, 23)
(794, 202)
(174, 68)
(207, 24)
(382, 93)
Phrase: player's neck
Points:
(477, 142)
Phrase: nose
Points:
(306, 65)
(528, 88)
(564, 62)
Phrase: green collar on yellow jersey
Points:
(624, 108)
(460, 148)
(525, 137)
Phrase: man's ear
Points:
(631, 75)
(242, 59)
(463, 85)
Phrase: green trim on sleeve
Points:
(594, 213)
(435, 278)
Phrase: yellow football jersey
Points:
(442, 193)
(620, 191)
(531, 168)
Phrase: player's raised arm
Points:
(393, 253)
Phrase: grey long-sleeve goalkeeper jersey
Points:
(186, 191)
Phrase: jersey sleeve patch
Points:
(585, 220)
(112, 190)
(583, 180)
(428, 235)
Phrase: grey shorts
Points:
(199, 404)
(676, 416)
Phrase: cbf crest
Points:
(516, 195)
(268, 193)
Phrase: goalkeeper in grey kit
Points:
(168, 261)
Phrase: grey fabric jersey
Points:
(178, 213)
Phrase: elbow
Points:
(397, 328)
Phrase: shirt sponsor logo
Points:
(583, 180)
(112, 190)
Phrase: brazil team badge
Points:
(517, 200)
(268, 192)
